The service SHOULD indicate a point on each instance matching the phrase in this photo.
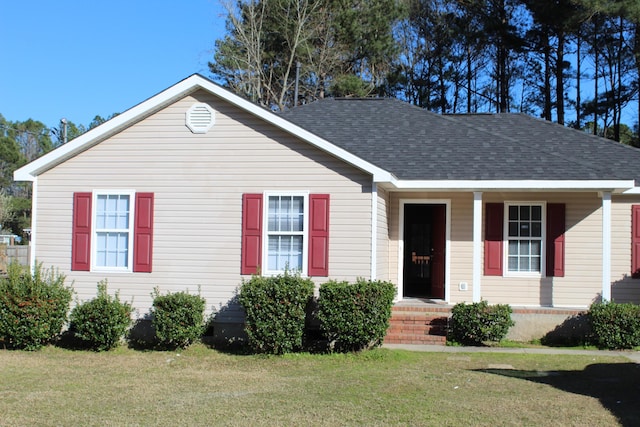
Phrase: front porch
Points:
(424, 321)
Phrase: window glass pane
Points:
(524, 264)
(535, 264)
(513, 213)
(272, 211)
(285, 214)
(112, 212)
(273, 252)
(101, 244)
(123, 249)
(524, 213)
(297, 213)
(112, 249)
(100, 211)
(536, 213)
(295, 258)
(536, 247)
(513, 247)
(285, 252)
(524, 247)
(513, 263)
(524, 229)
(513, 229)
(536, 229)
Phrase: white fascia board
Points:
(108, 128)
(166, 97)
(538, 185)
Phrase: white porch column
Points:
(606, 246)
(477, 245)
(34, 228)
(374, 230)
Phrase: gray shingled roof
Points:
(415, 144)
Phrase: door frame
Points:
(447, 245)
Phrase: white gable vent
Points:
(200, 118)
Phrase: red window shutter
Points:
(635, 241)
(555, 239)
(81, 232)
(143, 233)
(251, 233)
(319, 235)
(493, 236)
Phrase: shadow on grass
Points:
(615, 385)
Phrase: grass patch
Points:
(199, 386)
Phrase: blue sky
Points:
(79, 59)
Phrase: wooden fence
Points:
(18, 253)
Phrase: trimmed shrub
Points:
(275, 312)
(33, 307)
(101, 322)
(356, 316)
(178, 318)
(474, 324)
(615, 326)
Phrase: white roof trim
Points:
(170, 95)
(196, 82)
(626, 186)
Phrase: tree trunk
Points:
(560, 78)
(595, 78)
(578, 79)
(469, 79)
(546, 109)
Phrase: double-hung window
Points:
(113, 228)
(524, 231)
(286, 233)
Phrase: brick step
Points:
(421, 309)
(411, 318)
(396, 338)
(417, 327)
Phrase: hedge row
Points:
(351, 316)
(34, 308)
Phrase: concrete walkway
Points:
(630, 354)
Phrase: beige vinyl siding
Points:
(623, 287)
(461, 259)
(198, 181)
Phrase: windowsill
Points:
(532, 275)
(110, 270)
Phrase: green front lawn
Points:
(384, 387)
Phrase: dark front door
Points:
(424, 250)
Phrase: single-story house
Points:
(198, 187)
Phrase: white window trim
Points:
(265, 231)
(94, 231)
(543, 240)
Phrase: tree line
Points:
(20, 143)
(575, 62)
